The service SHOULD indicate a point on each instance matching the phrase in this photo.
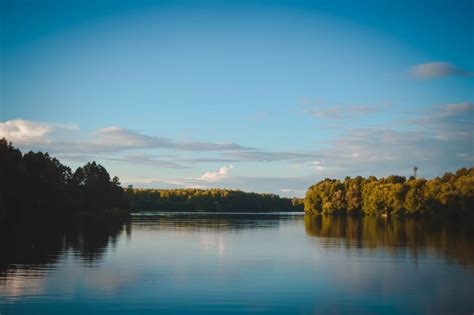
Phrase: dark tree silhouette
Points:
(35, 185)
(95, 188)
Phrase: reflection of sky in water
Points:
(178, 264)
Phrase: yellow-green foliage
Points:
(395, 195)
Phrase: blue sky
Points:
(268, 96)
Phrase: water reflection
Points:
(29, 246)
(452, 240)
(174, 263)
(32, 245)
(212, 221)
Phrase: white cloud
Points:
(114, 143)
(434, 70)
(25, 132)
(19, 130)
(318, 166)
(122, 138)
(31, 135)
(128, 139)
(216, 176)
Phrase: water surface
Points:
(215, 263)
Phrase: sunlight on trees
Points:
(452, 194)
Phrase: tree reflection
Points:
(211, 221)
(452, 240)
(33, 245)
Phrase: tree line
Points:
(212, 200)
(36, 185)
(451, 195)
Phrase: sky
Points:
(266, 96)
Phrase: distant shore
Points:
(36, 186)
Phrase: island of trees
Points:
(449, 195)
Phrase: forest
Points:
(212, 200)
(450, 195)
(37, 186)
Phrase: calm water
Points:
(236, 263)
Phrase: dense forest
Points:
(449, 195)
(213, 200)
(35, 185)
